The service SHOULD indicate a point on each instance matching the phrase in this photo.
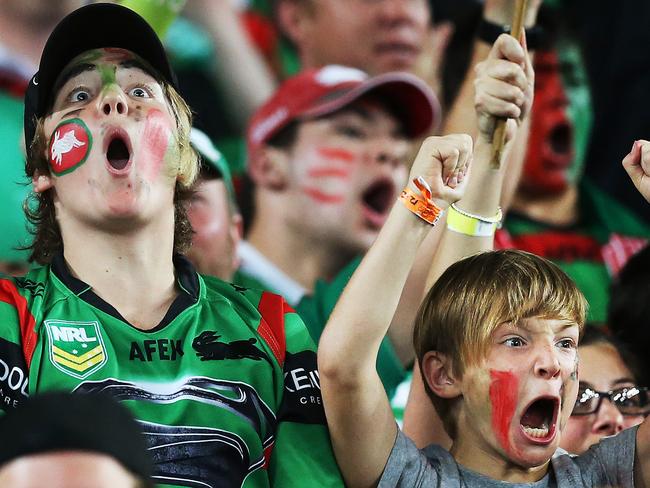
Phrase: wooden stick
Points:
(499, 138)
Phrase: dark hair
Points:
(39, 207)
(629, 309)
(598, 335)
(59, 421)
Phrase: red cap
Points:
(316, 92)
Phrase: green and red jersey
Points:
(225, 387)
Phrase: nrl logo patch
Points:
(76, 348)
(69, 146)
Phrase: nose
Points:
(387, 152)
(113, 102)
(547, 364)
(609, 420)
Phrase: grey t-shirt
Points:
(610, 463)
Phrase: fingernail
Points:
(453, 182)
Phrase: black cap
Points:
(93, 26)
(55, 421)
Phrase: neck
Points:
(559, 209)
(480, 458)
(133, 272)
(300, 257)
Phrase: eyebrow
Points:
(71, 72)
(366, 115)
(136, 63)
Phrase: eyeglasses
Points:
(630, 400)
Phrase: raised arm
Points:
(494, 98)
(462, 115)
(362, 426)
(637, 165)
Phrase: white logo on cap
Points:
(335, 74)
(35, 80)
(265, 126)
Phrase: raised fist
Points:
(637, 165)
(504, 85)
(443, 162)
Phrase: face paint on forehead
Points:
(69, 146)
(503, 396)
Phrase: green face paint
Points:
(107, 74)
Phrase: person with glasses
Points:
(609, 398)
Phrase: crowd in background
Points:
(292, 192)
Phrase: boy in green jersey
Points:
(222, 379)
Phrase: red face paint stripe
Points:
(321, 197)
(336, 153)
(9, 294)
(322, 172)
(503, 396)
(272, 309)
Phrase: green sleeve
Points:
(302, 454)
(315, 310)
(14, 372)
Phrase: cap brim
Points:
(97, 26)
(406, 96)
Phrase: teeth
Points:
(537, 433)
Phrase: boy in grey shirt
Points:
(496, 337)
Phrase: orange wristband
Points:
(421, 205)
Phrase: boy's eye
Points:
(567, 343)
(349, 130)
(79, 95)
(514, 342)
(139, 92)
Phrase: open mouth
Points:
(377, 200)
(539, 419)
(559, 146)
(118, 150)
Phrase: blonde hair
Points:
(39, 207)
(477, 294)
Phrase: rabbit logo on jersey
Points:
(76, 348)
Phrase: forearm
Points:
(239, 70)
(481, 198)
(363, 314)
(361, 423)
(401, 327)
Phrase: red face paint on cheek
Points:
(336, 153)
(322, 197)
(328, 172)
(503, 396)
(157, 138)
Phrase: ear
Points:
(269, 168)
(291, 15)
(437, 371)
(236, 234)
(41, 183)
